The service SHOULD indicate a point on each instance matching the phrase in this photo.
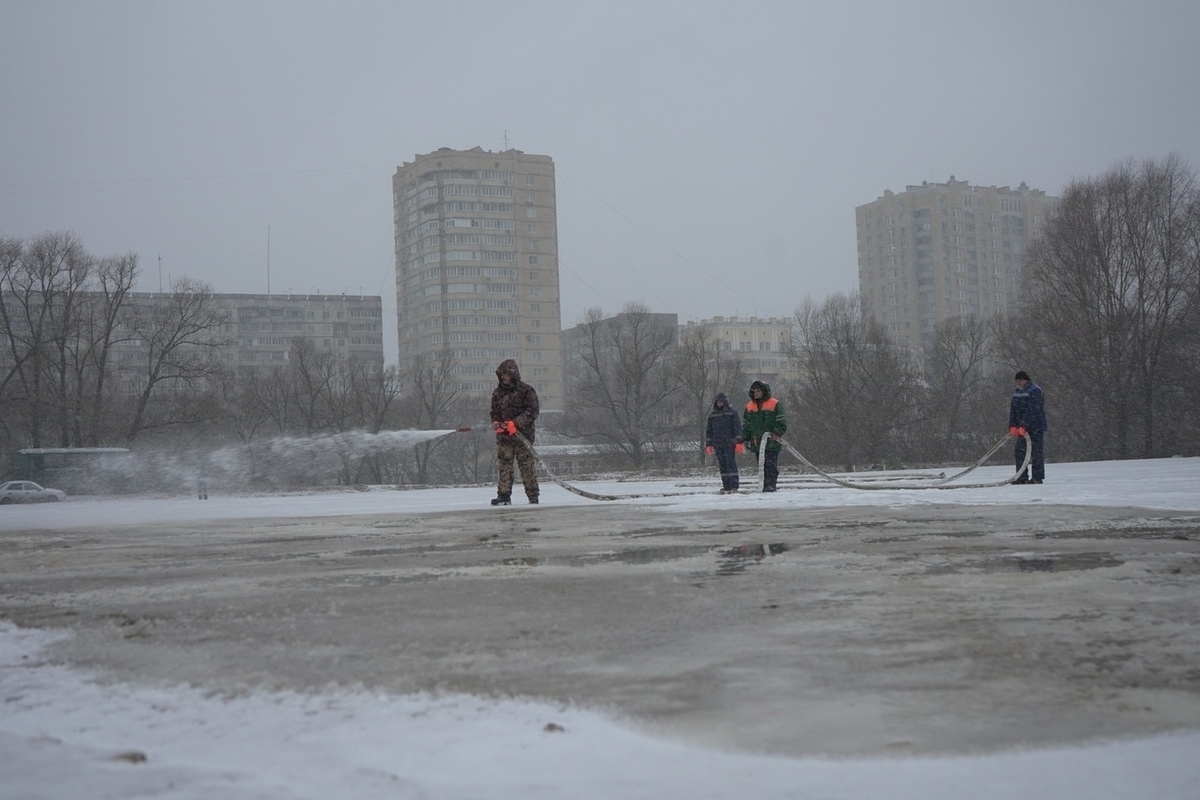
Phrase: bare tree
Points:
(435, 390)
(856, 394)
(40, 287)
(622, 389)
(319, 390)
(252, 401)
(703, 369)
(114, 279)
(377, 392)
(180, 339)
(963, 400)
(1112, 292)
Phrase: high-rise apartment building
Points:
(477, 266)
(941, 250)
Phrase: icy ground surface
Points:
(1015, 642)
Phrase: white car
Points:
(28, 492)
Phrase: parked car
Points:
(28, 492)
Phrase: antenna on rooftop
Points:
(160, 273)
(268, 261)
(505, 139)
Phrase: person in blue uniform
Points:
(1027, 412)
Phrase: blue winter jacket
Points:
(1028, 408)
(724, 427)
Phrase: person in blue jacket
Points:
(1027, 412)
(723, 438)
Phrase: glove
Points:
(1020, 431)
(510, 428)
(497, 426)
(739, 448)
(708, 451)
(1012, 430)
(774, 437)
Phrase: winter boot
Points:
(502, 500)
(533, 499)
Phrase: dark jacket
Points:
(763, 417)
(517, 401)
(1028, 408)
(724, 428)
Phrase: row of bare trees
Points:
(638, 387)
(1109, 326)
(87, 362)
(82, 362)
(1113, 310)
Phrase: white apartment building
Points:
(941, 250)
(476, 241)
(761, 342)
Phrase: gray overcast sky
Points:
(709, 154)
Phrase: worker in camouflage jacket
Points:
(514, 410)
(763, 423)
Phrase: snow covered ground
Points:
(65, 735)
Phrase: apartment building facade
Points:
(261, 328)
(257, 331)
(942, 250)
(761, 344)
(476, 243)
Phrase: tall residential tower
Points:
(477, 266)
(941, 250)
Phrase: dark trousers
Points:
(770, 462)
(1037, 461)
(727, 464)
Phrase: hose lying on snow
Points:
(945, 483)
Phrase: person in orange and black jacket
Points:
(763, 423)
(723, 439)
(514, 409)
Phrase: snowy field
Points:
(64, 734)
(1172, 484)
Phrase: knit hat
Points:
(1022, 376)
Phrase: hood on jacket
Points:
(720, 398)
(510, 366)
(766, 389)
